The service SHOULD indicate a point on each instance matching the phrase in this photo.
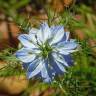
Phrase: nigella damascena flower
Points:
(46, 51)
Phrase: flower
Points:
(46, 51)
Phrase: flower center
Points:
(45, 50)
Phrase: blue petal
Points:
(59, 64)
(59, 58)
(33, 31)
(45, 33)
(55, 66)
(24, 55)
(58, 33)
(34, 68)
(65, 37)
(45, 73)
(25, 65)
(36, 32)
(66, 47)
(68, 59)
(26, 40)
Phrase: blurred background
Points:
(78, 16)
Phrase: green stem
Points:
(62, 89)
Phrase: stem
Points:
(64, 92)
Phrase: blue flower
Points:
(46, 51)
